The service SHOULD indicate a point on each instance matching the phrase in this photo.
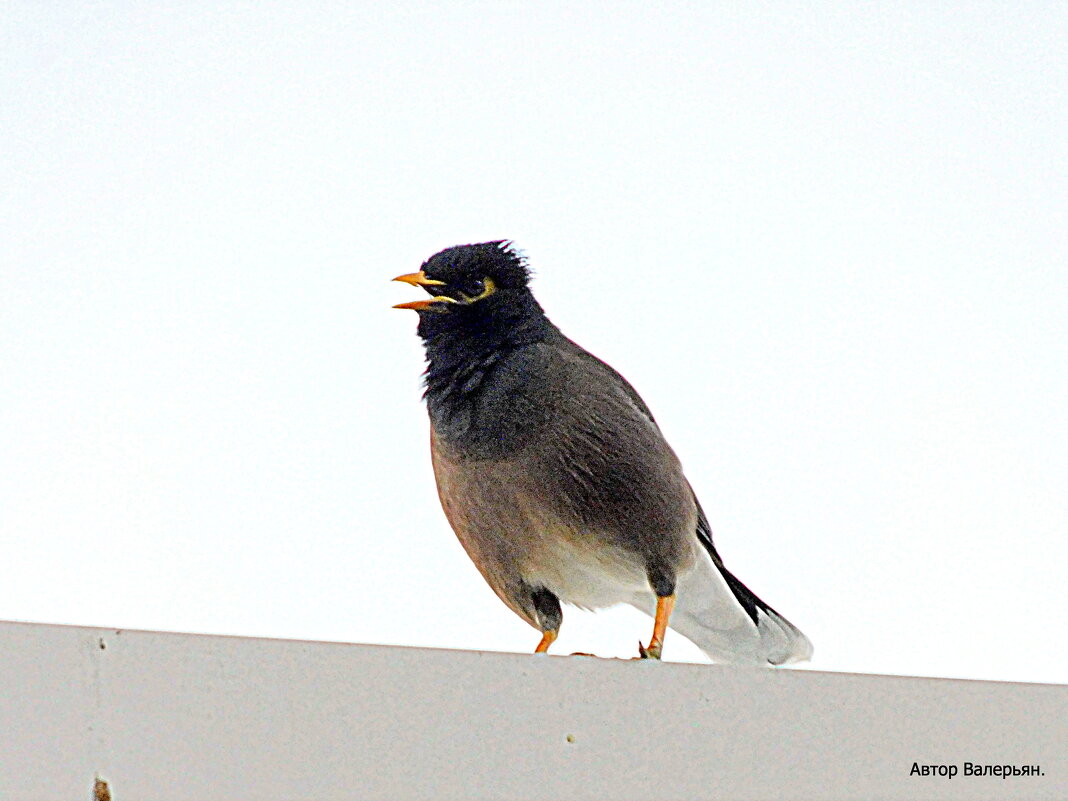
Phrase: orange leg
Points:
(664, 605)
(546, 640)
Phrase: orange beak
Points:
(419, 305)
(420, 279)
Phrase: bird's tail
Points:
(731, 624)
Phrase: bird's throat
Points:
(489, 406)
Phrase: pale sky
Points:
(827, 242)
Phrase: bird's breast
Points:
(493, 407)
(521, 531)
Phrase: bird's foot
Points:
(547, 639)
(652, 652)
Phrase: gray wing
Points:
(603, 458)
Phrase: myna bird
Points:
(557, 479)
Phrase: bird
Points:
(557, 479)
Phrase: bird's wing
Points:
(613, 375)
(704, 610)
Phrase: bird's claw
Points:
(652, 652)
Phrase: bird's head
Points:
(479, 288)
(465, 275)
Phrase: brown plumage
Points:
(555, 476)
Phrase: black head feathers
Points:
(480, 308)
(499, 261)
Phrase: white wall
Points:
(174, 716)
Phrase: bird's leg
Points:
(547, 616)
(547, 639)
(664, 605)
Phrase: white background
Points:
(826, 242)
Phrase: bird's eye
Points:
(475, 289)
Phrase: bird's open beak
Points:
(419, 305)
(420, 279)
